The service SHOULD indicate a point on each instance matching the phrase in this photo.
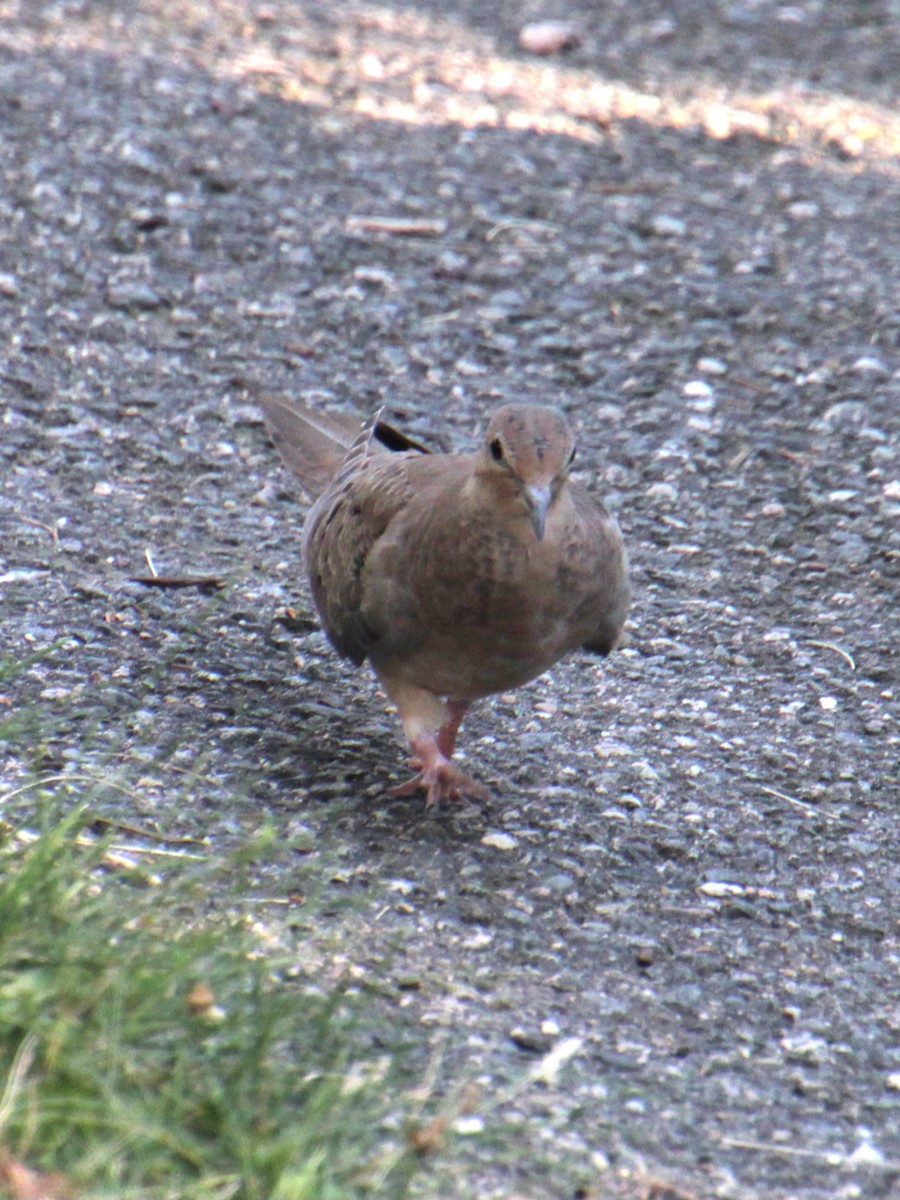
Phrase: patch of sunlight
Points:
(395, 64)
(408, 67)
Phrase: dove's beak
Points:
(538, 501)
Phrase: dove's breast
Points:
(475, 604)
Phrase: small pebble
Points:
(869, 365)
(711, 366)
(468, 1125)
(549, 37)
(500, 841)
(803, 210)
(451, 264)
(403, 887)
(697, 388)
(721, 889)
(804, 1047)
(375, 276)
(662, 493)
(664, 225)
(845, 414)
(851, 548)
(701, 393)
(527, 1039)
(132, 294)
(866, 1154)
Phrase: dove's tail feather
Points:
(314, 445)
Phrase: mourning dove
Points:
(456, 576)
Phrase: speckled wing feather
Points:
(600, 568)
(371, 486)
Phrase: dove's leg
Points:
(446, 735)
(431, 727)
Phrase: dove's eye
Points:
(496, 448)
(571, 458)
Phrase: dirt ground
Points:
(686, 232)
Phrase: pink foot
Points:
(440, 779)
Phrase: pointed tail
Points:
(314, 445)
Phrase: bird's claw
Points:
(442, 781)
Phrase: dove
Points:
(454, 575)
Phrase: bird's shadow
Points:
(341, 762)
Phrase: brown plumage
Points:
(455, 575)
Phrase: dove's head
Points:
(527, 452)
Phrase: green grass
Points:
(154, 1042)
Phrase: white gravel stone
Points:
(500, 841)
